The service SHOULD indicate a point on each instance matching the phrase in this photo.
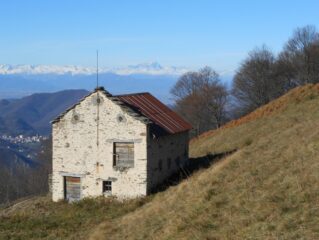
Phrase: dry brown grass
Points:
(275, 107)
(268, 189)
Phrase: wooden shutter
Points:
(124, 154)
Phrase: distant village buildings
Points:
(22, 138)
(122, 145)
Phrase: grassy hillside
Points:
(266, 189)
(40, 218)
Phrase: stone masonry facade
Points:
(83, 147)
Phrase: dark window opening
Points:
(185, 153)
(107, 186)
(169, 162)
(123, 154)
(177, 161)
(160, 165)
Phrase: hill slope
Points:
(268, 189)
(32, 114)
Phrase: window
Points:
(160, 165)
(107, 186)
(123, 154)
(169, 161)
(177, 161)
(186, 153)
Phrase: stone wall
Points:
(166, 155)
(83, 147)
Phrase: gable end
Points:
(124, 106)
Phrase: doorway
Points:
(72, 188)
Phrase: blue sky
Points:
(172, 32)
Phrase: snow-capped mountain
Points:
(22, 80)
(152, 68)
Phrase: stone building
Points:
(122, 145)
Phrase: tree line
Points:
(207, 103)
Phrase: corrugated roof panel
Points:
(155, 110)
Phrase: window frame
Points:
(107, 186)
(130, 162)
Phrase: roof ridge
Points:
(131, 94)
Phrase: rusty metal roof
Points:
(156, 111)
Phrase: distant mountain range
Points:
(21, 80)
(31, 115)
(19, 85)
(152, 68)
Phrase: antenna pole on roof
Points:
(97, 68)
(98, 98)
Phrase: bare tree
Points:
(299, 61)
(256, 82)
(201, 98)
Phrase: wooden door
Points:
(72, 188)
